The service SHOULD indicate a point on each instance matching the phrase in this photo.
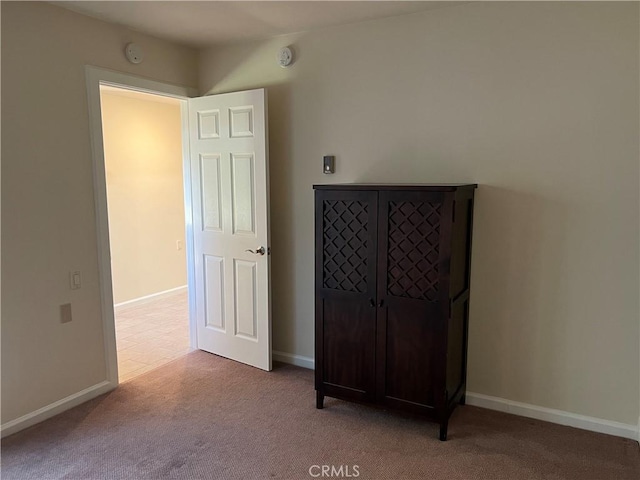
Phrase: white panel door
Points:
(230, 198)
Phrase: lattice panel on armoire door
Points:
(414, 250)
(345, 245)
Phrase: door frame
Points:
(95, 77)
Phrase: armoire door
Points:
(411, 299)
(346, 226)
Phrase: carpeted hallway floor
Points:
(205, 417)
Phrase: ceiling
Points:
(205, 23)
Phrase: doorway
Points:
(95, 79)
(226, 193)
(142, 138)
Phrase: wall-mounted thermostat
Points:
(329, 164)
(285, 57)
(134, 53)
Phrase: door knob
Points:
(257, 251)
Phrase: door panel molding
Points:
(238, 188)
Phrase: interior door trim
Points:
(95, 77)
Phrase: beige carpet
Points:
(142, 349)
(204, 417)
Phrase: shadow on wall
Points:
(281, 184)
(517, 333)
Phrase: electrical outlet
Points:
(65, 313)
(178, 244)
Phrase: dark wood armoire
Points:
(392, 295)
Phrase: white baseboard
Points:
(559, 417)
(554, 416)
(153, 296)
(298, 360)
(55, 408)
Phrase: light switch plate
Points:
(329, 164)
(75, 280)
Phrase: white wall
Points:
(143, 162)
(536, 102)
(47, 195)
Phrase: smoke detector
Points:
(134, 53)
(285, 57)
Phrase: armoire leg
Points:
(463, 399)
(443, 431)
(319, 400)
